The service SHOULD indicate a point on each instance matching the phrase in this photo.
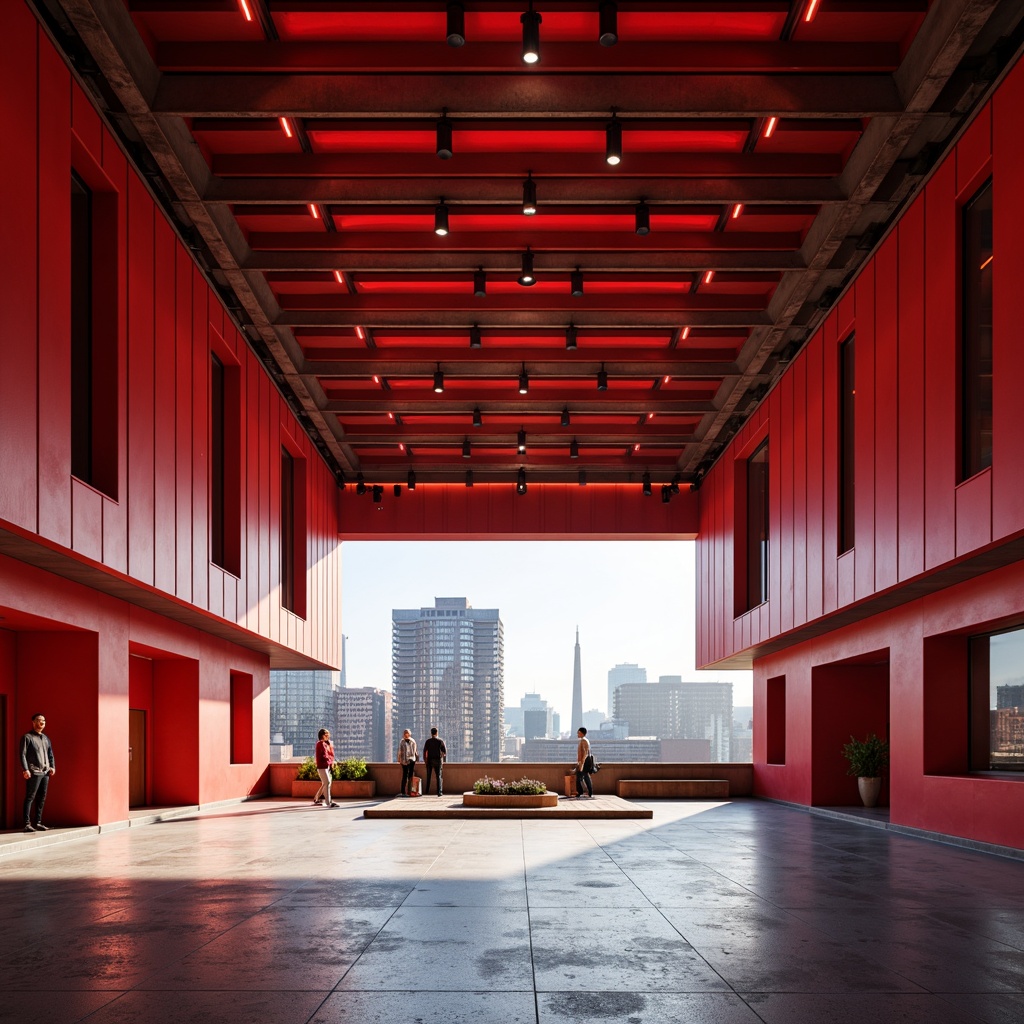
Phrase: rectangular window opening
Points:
(293, 532)
(847, 460)
(976, 256)
(241, 718)
(757, 526)
(94, 337)
(225, 465)
(775, 720)
(996, 739)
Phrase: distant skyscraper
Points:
(448, 671)
(364, 725)
(537, 717)
(344, 663)
(592, 719)
(577, 686)
(627, 673)
(672, 709)
(301, 704)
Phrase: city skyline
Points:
(632, 600)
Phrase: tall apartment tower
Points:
(364, 724)
(627, 673)
(448, 671)
(302, 702)
(577, 686)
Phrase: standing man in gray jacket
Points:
(37, 766)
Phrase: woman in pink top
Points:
(324, 761)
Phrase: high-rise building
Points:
(592, 719)
(364, 724)
(448, 671)
(537, 717)
(626, 673)
(673, 709)
(301, 704)
(577, 685)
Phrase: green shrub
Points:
(869, 758)
(353, 768)
(498, 787)
(307, 771)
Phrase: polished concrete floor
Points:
(731, 913)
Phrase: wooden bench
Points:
(674, 789)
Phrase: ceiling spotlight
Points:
(456, 25)
(576, 283)
(529, 195)
(521, 441)
(574, 449)
(521, 481)
(570, 338)
(378, 492)
(360, 484)
(443, 132)
(469, 478)
(642, 218)
(666, 494)
(438, 380)
(411, 480)
(466, 448)
(531, 35)
(602, 379)
(676, 481)
(608, 31)
(441, 219)
(526, 278)
(478, 420)
(479, 283)
(475, 340)
(397, 490)
(647, 483)
(524, 381)
(613, 142)
(565, 416)
(583, 478)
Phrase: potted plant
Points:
(348, 779)
(488, 792)
(868, 761)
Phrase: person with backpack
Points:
(584, 764)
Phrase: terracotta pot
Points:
(869, 790)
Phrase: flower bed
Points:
(499, 787)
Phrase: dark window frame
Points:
(983, 718)
(847, 443)
(757, 531)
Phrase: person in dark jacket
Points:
(435, 753)
(37, 765)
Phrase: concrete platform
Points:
(433, 807)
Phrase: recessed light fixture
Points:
(475, 339)
(339, 276)
(286, 127)
(770, 126)
(608, 30)
(438, 380)
(570, 338)
(521, 441)
(565, 416)
(526, 278)
(602, 379)
(613, 142)
(441, 218)
(479, 283)
(244, 8)
(737, 210)
(574, 449)
(642, 218)
(709, 277)
(524, 381)
(529, 195)
(686, 333)
(812, 10)
(576, 283)
(466, 452)
(456, 28)
(478, 420)
(360, 333)
(314, 210)
(443, 136)
(521, 480)
(531, 35)
(411, 480)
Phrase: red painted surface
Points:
(65, 648)
(913, 516)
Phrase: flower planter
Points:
(869, 790)
(341, 789)
(497, 800)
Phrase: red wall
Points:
(156, 531)
(914, 521)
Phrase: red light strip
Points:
(360, 333)
(313, 211)
(685, 335)
(709, 277)
(339, 276)
(812, 10)
(987, 262)
(245, 10)
(737, 210)
(286, 126)
(769, 128)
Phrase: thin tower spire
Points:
(577, 686)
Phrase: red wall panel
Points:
(864, 454)
(886, 469)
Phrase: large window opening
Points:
(997, 701)
(225, 464)
(94, 337)
(757, 527)
(976, 334)
(847, 434)
(293, 532)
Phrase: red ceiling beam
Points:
(582, 401)
(519, 94)
(507, 363)
(493, 436)
(391, 57)
(526, 317)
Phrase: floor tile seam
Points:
(106, 1005)
(529, 922)
(707, 963)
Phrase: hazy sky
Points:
(632, 600)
